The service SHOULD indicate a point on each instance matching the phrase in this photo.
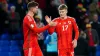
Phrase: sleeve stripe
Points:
(29, 18)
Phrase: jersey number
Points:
(65, 27)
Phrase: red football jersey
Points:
(64, 30)
(30, 31)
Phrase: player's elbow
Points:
(77, 32)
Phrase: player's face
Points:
(63, 12)
(35, 9)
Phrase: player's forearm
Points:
(39, 30)
(51, 30)
(76, 35)
(76, 30)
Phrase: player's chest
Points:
(64, 25)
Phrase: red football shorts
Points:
(66, 52)
(33, 52)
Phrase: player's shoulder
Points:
(71, 18)
(27, 18)
(55, 19)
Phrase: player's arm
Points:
(75, 27)
(51, 30)
(34, 28)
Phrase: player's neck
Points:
(64, 17)
(30, 13)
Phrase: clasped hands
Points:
(49, 21)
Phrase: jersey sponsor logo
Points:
(32, 25)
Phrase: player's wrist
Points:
(50, 23)
(75, 39)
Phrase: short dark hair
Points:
(32, 4)
(62, 6)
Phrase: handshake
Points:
(49, 21)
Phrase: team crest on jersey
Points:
(69, 22)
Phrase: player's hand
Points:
(48, 19)
(74, 42)
(53, 23)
